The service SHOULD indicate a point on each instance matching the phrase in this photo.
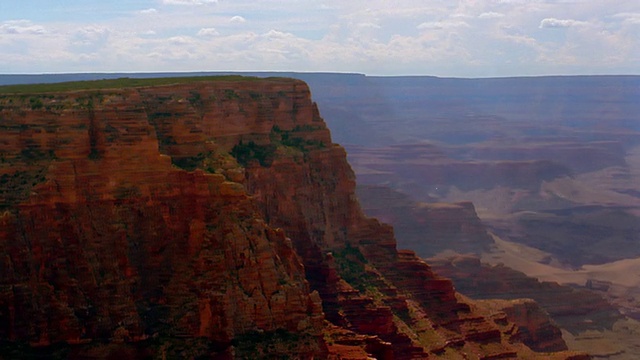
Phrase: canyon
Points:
(544, 170)
(215, 218)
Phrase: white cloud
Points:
(629, 18)
(490, 15)
(208, 32)
(93, 32)
(439, 37)
(522, 40)
(21, 27)
(461, 16)
(91, 35)
(275, 34)
(237, 20)
(441, 25)
(560, 23)
(181, 40)
(368, 25)
(88, 40)
(188, 2)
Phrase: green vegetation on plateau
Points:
(121, 83)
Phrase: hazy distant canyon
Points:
(550, 165)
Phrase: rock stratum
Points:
(213, 218)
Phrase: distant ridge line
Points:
(18, 79)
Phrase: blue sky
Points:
(463, 38)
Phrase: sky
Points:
(466, 38)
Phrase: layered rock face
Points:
(425, 170)
(112, 241)
(212, 217)
(428, 228)
(532, 323)
(575, 310)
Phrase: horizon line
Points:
(344, 73)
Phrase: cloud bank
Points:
(432, 37)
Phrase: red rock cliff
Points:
(202, 218)
(103, 238)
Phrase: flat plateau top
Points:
(124, 82)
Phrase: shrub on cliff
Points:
(246, 153)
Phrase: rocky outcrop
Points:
(209, 217)
(427, 228)
(533, 325)
(576, 310)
